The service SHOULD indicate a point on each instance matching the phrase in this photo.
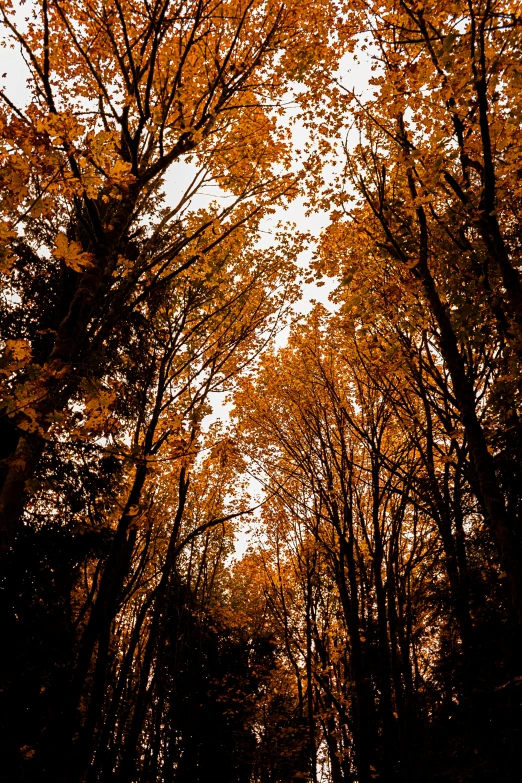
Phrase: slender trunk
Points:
(389, 743)
(401, 673)
(482, 459)
(362, 734)
(333, 750)
(154, 641)
(488, 221)
(309, 678)
(97, 637)
(465, 396)
(105, 759)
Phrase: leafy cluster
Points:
(372, 630)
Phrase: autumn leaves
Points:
(121, 314)
(118, 96)
(383, 429)
(386, 434)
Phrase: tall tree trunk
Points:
(508, 544)
(389, 740)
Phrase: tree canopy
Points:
(372, 627)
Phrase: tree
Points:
(120, 315)
(370, 502)
(372, 628)
(119, 94)
(437, 198)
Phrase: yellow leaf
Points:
(19, 350)
(72, 253)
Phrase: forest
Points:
(245, 539)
